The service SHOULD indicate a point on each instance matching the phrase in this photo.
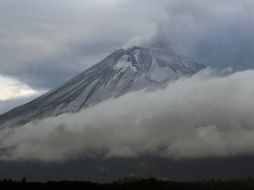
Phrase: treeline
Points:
(131, 184)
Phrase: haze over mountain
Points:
(198, 127)
(190, 125)
(140, 111)
(122, 71)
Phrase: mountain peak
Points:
(123, 71)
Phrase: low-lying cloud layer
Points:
(201, 116)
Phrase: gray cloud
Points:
(46, 42)
(43, 43)
(198, 117)
(217, 33)
(214, 32)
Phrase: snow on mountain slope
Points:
(121, 72)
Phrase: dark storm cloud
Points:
(74, 59)
(218, 33)
(40, 40)
(214, 32)
(43, 43)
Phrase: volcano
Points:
(123, 71)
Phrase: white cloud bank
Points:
(11, 88)
(202, 116)
(14, 93)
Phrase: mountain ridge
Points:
(123, 71)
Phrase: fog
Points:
(206, 115)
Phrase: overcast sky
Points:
(44, 43)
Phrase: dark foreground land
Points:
(131, 184)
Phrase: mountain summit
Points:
(122, 71)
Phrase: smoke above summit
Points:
(202, 116)
(46, 42)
